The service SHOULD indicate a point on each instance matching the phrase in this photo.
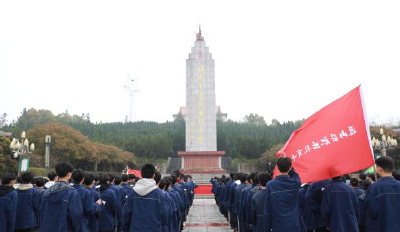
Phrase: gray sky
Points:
(280, 59)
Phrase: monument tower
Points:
(201, 153)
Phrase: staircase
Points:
(174, 164)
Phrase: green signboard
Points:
(24, 165)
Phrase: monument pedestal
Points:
(202, 162)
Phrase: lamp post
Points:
(47, 154)
(20, 148)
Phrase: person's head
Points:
(124, 178)
(173, 179)
(223, 176)
(167, 182)
(78, 176)
(112, 178)
(232, 175)
(104, 179)
(89, 180)
(256, 181)
(354, 182)
(162, 184)
(384, 165)
(366, 184)
(371, 177)
(148, 171)
(40, 181)
(243, 177)
(52, 176)
(284, 164)
(252, 177)
(157, 177)
(27, 178)
(362, 176)
(132, 177)
(8, 179)
(117, 180)
(96, 178)
(264, 178)
(64, 170)
(396, 175)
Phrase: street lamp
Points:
(385, 143)
(20, 147)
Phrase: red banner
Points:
(332, 142)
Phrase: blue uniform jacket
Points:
(8, 208)
(247, 205)
(383, 203)
(281, 211)
(174, 224)
(27, 205)
(94, 218)
(257, 211)
(340, 208)
(116, 189)
(145, 213)
(238, 198)
(175, 196)
(243, 206)
(314, 201)
(60, 209)
(304, 210)
(231, 198)
(182, 201)
(89, 207)
(109, 208)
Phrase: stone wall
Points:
(248, 168)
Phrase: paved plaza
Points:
(205, 216)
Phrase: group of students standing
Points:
(256, 202)
(75, 201)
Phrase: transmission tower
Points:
(132, 87)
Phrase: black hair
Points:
(366, 185)
(19, 180)
(264, 178)
(63, 168)
(27, 178)
(362, 176)
(96, 178)
(284, 164)
(243, 177)
(232, 174)
(132, 176)
(372, 176)
(148, 171)
(167, 182)
(52, 176)
(256, 181)
(223, 176)
(157, 177)
(124, 178)
(89, 178)
(78, 176)
(112, 177)
(162, 184)
(347, 176)
(354, 182)
(386, 163)
(173, 179)
(7, 178)
(33, 182)
(177, 173)
(40, 181)
(117, 180)
(343, 178)
(396, 175)
(103, 178)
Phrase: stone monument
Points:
(201, 155)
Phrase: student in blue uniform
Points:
(61, 206)
(132, 180)
(231, 201)
(109, 206)
(175, 226)
(305, 212)
(355, 186)
(383, 198)
(257, 204)
(124, 189)
(39, 182)
(175, 187)
(248, 193)
(313, 204)
(238, 199)
(8, 203)
(93, 220)
(144, 210)
(340, 208)
(89, 207)
(27, 205)
(281, 211)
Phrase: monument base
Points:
(201, 162)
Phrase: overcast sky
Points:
(280, 59)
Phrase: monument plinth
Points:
(201, 153)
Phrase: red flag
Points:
(332, 142)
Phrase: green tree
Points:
(270, 155)
(7, 163)
(254, 119)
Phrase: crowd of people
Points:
(256, 202)
(72, 200)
